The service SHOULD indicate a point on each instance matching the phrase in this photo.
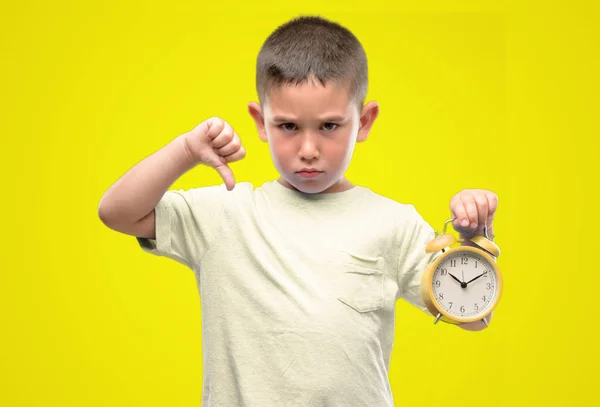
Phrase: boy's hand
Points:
(473, 209)
(214, 143)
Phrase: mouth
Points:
(309, 172)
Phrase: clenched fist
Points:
(473, 209)
(214, 143)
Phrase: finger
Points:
(227, 175)
(482, 210)
(238, 155)
(471, 208)
(224, 137)
(215, 126)
(492, 205)
(230, 147)
(460, 213)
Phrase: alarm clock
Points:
(464, 283)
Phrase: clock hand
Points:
(463, 285)
(452, 275)
(473, 279)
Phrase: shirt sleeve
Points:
(413, 258)
(185, 224)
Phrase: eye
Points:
(330, 126)
(287, 126)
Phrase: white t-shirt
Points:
(297, 290)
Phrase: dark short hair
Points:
(312, 47)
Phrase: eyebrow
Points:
(325, 119)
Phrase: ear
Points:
(256, 112)
(368, 115)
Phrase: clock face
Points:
(465, 285)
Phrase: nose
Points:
(309, 150)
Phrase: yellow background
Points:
(473, 94)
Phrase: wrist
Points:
(186, 153)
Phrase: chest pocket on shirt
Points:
(361, 282)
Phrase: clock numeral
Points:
(450, 304)
(475, 307)
(437, 283)
(488, 286)
(483, 298)
(462, 308)
(464, 260)
(475, 263)
(452, 263)
(444, 272)
(441, 296)
(485, 273)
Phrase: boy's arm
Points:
(128, 205)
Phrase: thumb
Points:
(212, 159)
(227, 175)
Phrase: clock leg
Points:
(439, 315)
(484, 321)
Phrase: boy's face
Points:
(312, 130)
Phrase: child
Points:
(298, 278)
